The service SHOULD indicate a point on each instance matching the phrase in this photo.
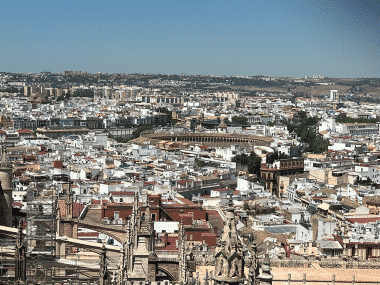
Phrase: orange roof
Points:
(77, 209)
(25, 131)
(58, 164)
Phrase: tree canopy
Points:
(305, 127)
(239, 120)
(252, 161)
(135, 134)
(272, 157)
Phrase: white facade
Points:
(370, 172)
(327, 125)
(248, 188)
(334, 95)
(169, 227)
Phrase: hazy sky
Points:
(337, 38)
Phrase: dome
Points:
(5, 179)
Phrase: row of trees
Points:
(169, 115)
(135, 134)
(355, 120)
(364, 182)
(239, 120)
(252, 161)
(305, 128)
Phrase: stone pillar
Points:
(344, 250)
(103, 273)
(356, 256)
(266, 277)
(20, 256)
(6, 196)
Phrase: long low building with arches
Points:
(183, 140)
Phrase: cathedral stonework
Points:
(229, 255)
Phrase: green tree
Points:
(355, 120)
(318, 146)
(364, 182)
(200, 163)
(121, 140)
(239, 120)
(272, 157)
(304, 127)
(136, 133)
(253, 162)
(169, 116)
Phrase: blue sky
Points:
(336, 38)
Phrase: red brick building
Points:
(283, 167)
(198, 228)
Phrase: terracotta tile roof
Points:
(188, 202)
(221, 189)
(187, 219)
(77, 209)
(150, 183)
(25, 131)
(171, 244)
(363, 220)
(58, 164)
(121, 193)
(97, 202)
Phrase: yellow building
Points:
(329, 176)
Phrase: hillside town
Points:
(192, 180)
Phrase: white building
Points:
(334, 96)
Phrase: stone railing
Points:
(333, 280)
(326, 263)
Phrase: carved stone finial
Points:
(4, 163)
(230, 202)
